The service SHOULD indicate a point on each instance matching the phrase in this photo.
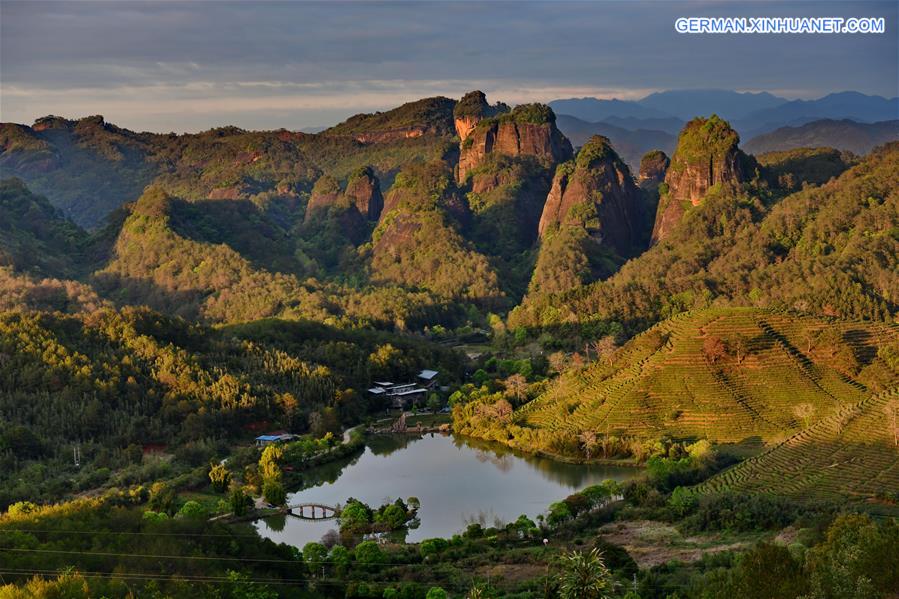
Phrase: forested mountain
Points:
(402, 218)
(845, 135)
(827, 250)
(88, 168)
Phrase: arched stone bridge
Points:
(313, 511)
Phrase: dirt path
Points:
(653, 543)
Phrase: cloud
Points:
(311, 63)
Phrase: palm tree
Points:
(476, 592)
(584, 576)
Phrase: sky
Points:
(188, 66)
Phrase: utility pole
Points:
(76, 455)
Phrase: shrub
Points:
(193, 510)
(274, 492)
(432, 546)
(368, 553)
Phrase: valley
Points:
(676, 352)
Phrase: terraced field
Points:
(780, 373)
(850, 454)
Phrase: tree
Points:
(857, 560)
(436, 593)
(268, 463)
(273, 492)
(192, 510)
(739, 345)
(354, 515)
(239, 501)
(713, 348)
(682, 501)
(315, 555)
(220, 477)
(769, 572)
(432, 546)
(584, 576)
(241, 587)
(330, 538)
(162, 498)
(605, 348)
(288, 404)
(368, 553)
(21, 508)
(340, 558)
(558, 361)
(588, 441)
(434, 403)
(516, 387)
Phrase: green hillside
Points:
(852, 454)
(116, 380)
(35, 236)
(728, 375)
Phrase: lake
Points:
(459, 481)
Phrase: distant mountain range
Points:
(751, 114)
(845, 134)
(631, 144)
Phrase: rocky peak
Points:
(52, 122)
(597, 192)
(325, 193)
(425, 187)
(327, 202)
(707, 154)
(653, 167)
(364, 189)
(528, 130)
(471, 109)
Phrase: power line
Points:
(113, 554)
(195, 557)
(115, 532)
(214, 579)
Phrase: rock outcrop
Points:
(365, 190)
(471, 110)
(591, 221)
(528, 130)
(325, 193)
(599, 184)
(707, 155)
(653, 167)
(327, 202)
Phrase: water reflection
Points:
(459, 481)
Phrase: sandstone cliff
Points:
(707, 155)
(365, 190)
(528, 130)
(471, 110)
(598, 183)
(592, 221)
